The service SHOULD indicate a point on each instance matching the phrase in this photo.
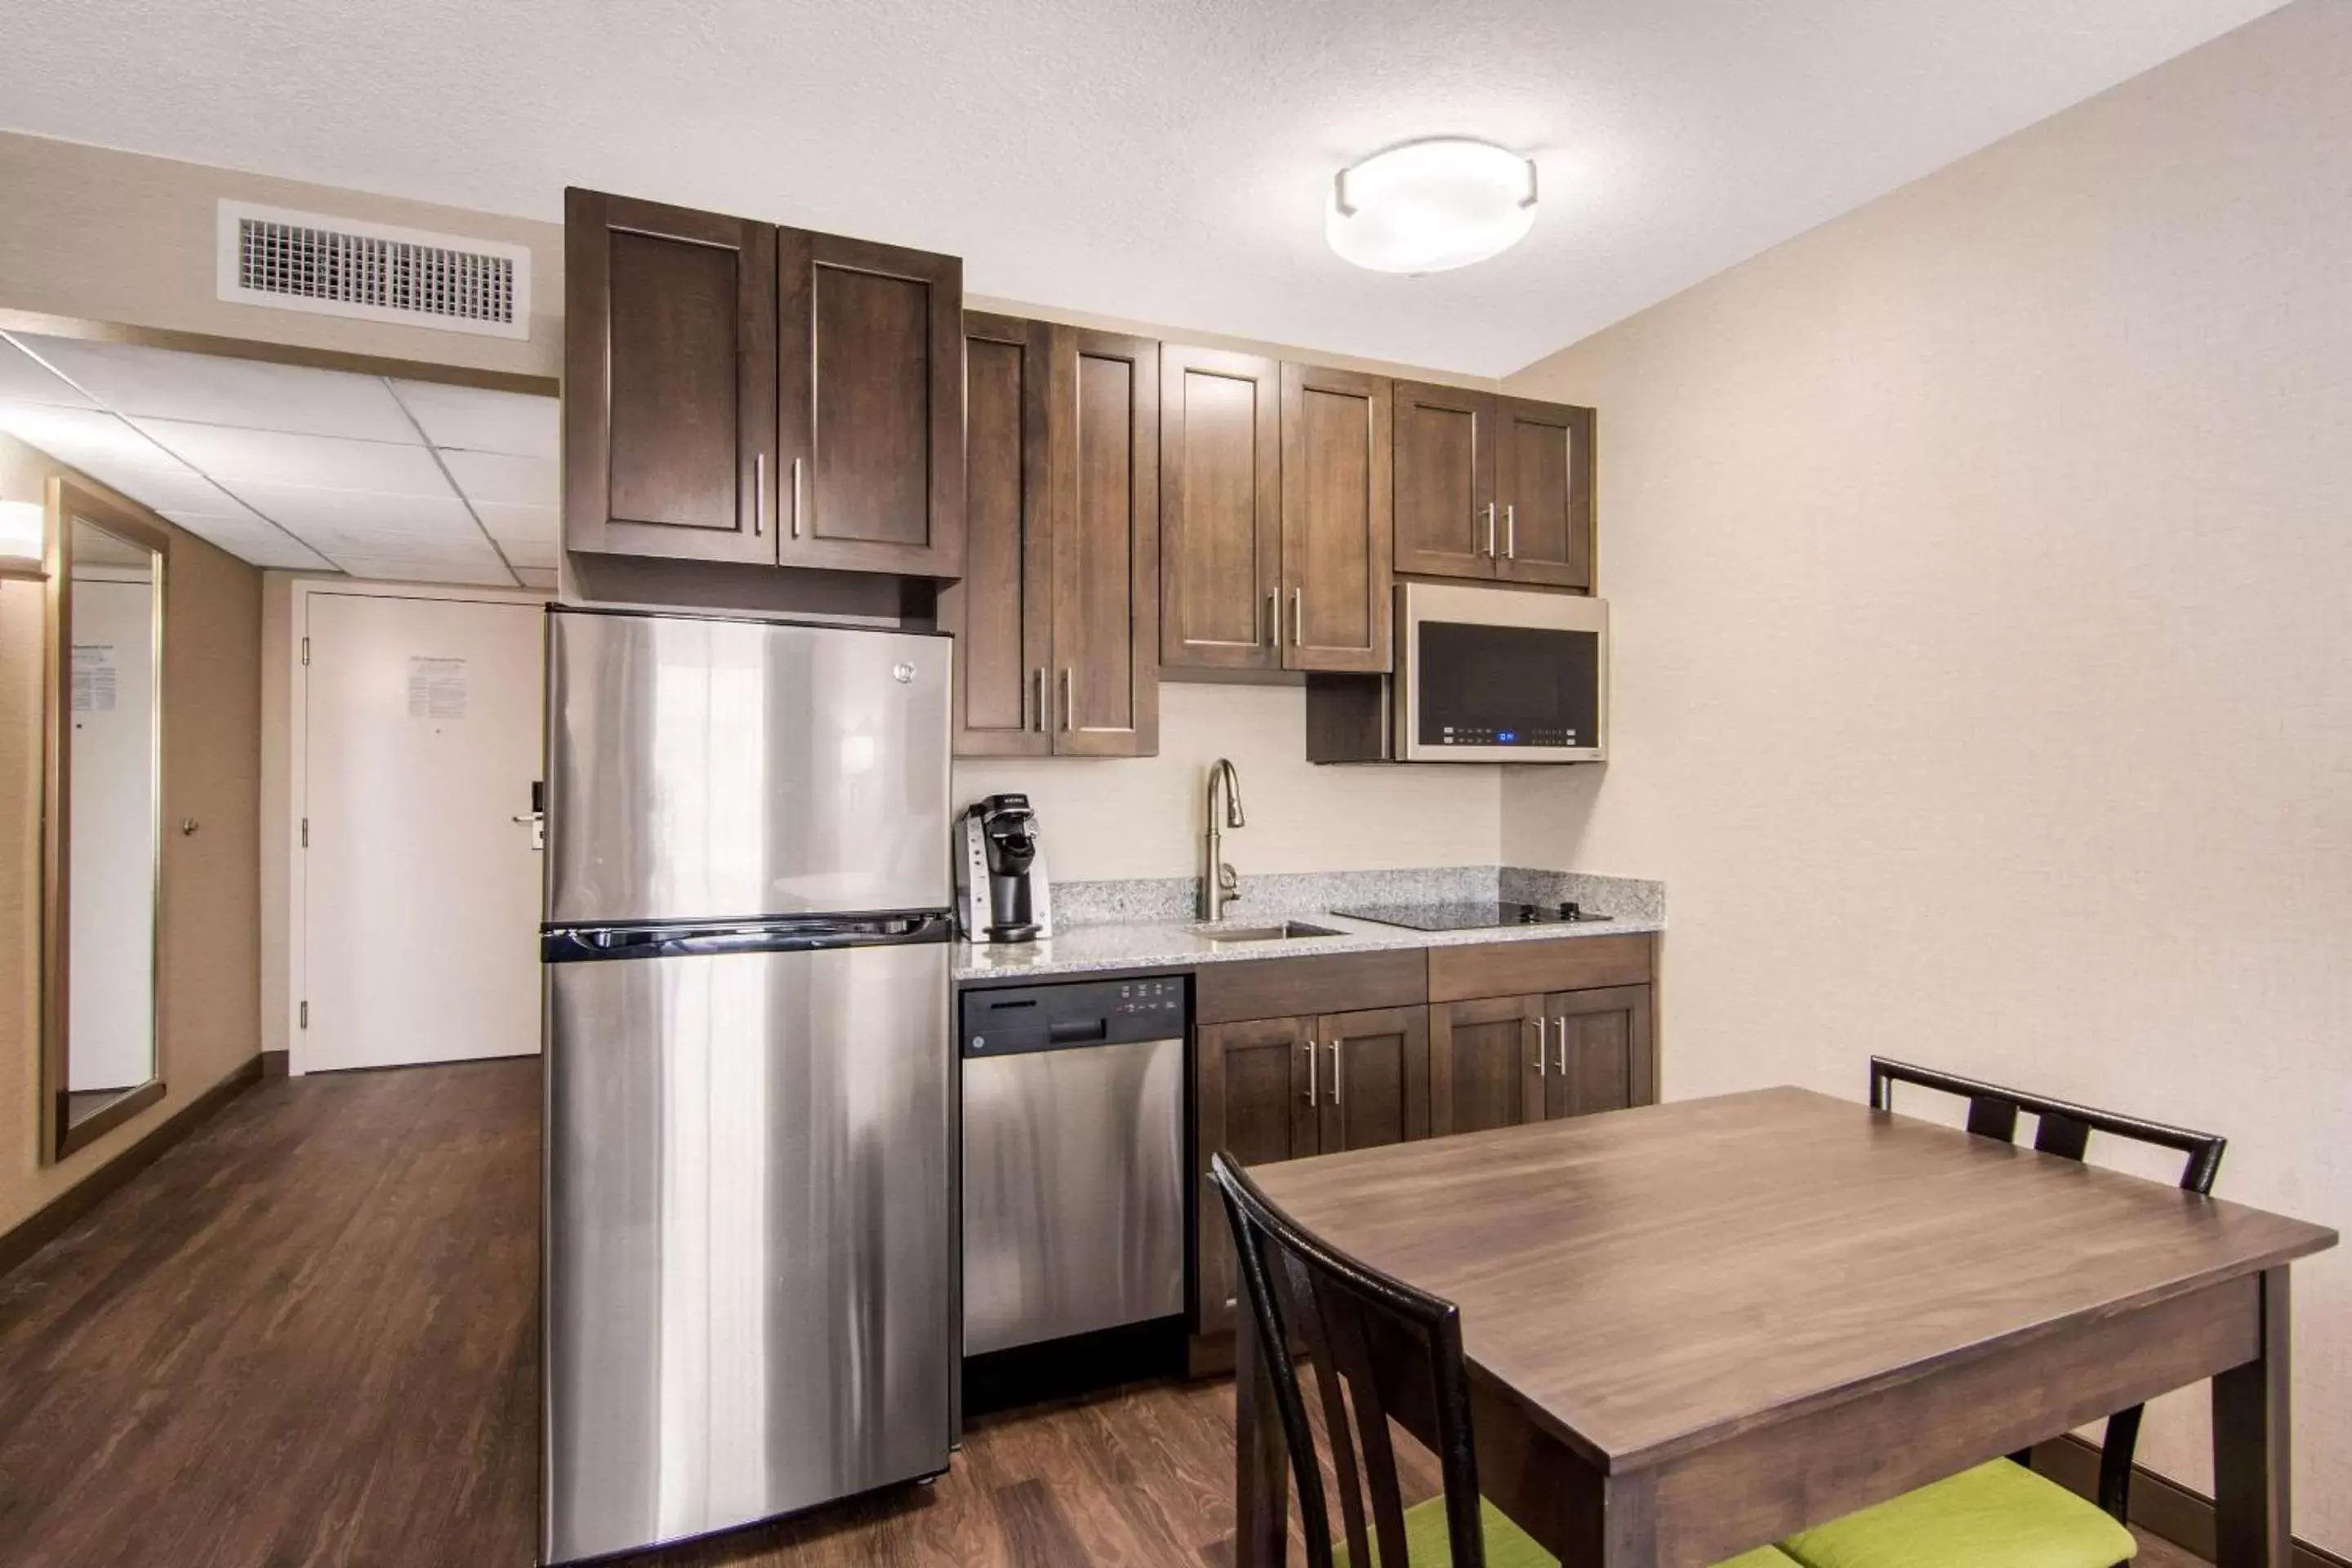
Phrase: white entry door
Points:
(421, 892)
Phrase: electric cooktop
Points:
(1476, 915)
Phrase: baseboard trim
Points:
(48, 1223)
(273, 1063)
(2159, 1505)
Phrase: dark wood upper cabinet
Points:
(869, 406)
(1221, 509)
(1444, 439)
(1102, 431)
(670, 389)
(1543, 480)
(1375, 1084)
(1002, 612)
(1492, 488)
(1336, 521)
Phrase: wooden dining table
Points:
(1694, 1328)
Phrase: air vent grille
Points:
(304, 261)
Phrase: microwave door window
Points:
(1507, 686)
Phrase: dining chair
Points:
(1381, 1348)
(2001, 1511)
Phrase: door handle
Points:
(796, 497)
(1510, 533)
(1490, 531)
(1040, 673)
(1335, 1072)
(1560, 1045)
(759, 495)
(1540, 1057)
(1310, 1073)
(1273, 617)
(1069, 697)
(1298, 617)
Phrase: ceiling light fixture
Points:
(1432, 205)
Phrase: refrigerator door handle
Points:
(578, 944)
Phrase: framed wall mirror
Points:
(102, 861)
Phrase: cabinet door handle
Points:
(1510, 533)
(759, 495)
(796, 497)
(1298, 617)
(1069, 697)
(1310, 1073)
(1540, 1057)
(1040, 674)
(1273, 633)
(1560, 1045)
(1335, 1072)
(1490, 531)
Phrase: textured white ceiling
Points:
(309, 470)
(1166, 162)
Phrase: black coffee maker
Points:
(1002, 894)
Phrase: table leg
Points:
(2251, 1456)
(1261, 1473)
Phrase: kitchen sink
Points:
(1287, 930)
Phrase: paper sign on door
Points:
(93, 678)
(436, 688)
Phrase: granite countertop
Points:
(1104, 927)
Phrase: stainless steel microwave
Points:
(1483, 675)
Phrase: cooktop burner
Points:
(1474, 915)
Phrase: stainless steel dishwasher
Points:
(1073, 1159)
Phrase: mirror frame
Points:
(67, 502)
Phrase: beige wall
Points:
(1982, 580)
(1145, 817)
(212, 680)
(99, 236)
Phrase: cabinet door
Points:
(669, 383)
(1102, 425)
(1002, 612)
(869, 406)
(1444, 466)
(1482, 1064)
(1249, 1100)
(1338, 527)
(1544, 481)
(1221, 513)
(1375, 1079)
(1601, 1051)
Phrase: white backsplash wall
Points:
(1142, 816)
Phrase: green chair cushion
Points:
(1999, 1515)
(1507, 1546)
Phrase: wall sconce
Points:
(24, 539)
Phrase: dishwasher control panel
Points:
(1079, 1013)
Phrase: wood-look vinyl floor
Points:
(308, 1335)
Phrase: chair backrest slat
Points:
(2062, 1128)
(1379, 1346)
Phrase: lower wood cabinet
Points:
(1498, 1061)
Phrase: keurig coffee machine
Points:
(1002, 891)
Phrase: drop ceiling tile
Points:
(276, 458)
(499, 480)
(24, 379)
(537, 577)
(165, 384)
(250, 539)
(82, 437)
(164, 490)
(471, 419)
(305, 509)
(527, 552)
(394, 570)
(520, 524)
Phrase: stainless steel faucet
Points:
(1220, 886)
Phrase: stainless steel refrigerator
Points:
(748, 1239)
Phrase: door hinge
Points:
(306, 1015)
(305, 651)
(306, 833)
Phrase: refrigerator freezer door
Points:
(750, 1238)
(708, 769)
